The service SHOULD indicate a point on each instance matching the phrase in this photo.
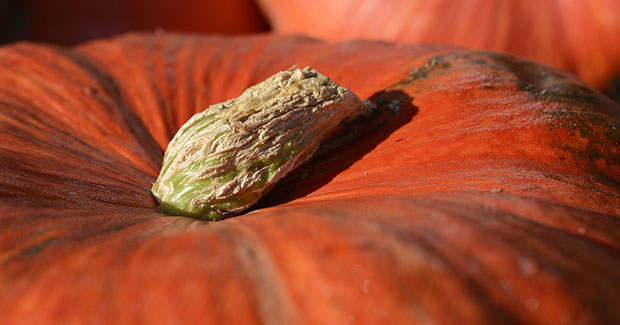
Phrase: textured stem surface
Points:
(225, 158)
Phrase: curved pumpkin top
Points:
(487, 191)
(576, 35)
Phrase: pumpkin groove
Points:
(491, 196)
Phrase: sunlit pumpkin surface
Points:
(487, 192)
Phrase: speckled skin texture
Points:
(488, 193)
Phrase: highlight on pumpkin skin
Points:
(224, 159)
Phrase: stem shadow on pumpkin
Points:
(350, 143)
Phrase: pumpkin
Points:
(69, 22)
(487, 190)
(577, 36)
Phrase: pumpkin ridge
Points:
(95, 119)
(512, 234)
(478, 295)
(135, 127)
(568, 95)
(275, 303)
(68, 148)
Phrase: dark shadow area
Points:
(613, 89)
(13, 21)
(71, 22)
(352, 141)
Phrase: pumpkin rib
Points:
(425, 240)
(407, 216)
(271, 292)
(495, 186)
(124, 116)
(97, 119)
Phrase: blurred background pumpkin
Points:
(69, 22)
(580, 36)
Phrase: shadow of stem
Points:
(350, 143)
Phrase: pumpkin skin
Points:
(577, 36)
(493, 196)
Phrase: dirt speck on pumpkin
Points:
(394, 106)
(327, 291)
(433, 65)
(364, 286)
(381, 313)
(532, 304)
(496, 190)
(527, 266)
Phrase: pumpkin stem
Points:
(224, 159)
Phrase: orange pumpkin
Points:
(486, 192)
(578, 36)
